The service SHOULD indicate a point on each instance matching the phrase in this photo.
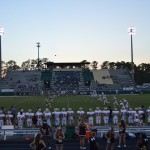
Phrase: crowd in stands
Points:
(67, 79)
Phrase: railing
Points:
(12, 132)
(131, 131)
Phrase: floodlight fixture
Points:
(1, 31)
(131, 30)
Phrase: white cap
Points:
(80, 108)
(97, 108)
(47, 110)
(69, 109)
(22, 110)
(130, 108)
(39, 109)
(63, 109)
(29, 110)
(9, 112)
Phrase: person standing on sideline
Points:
(122, 133)
(110, 115)
(142, 143)
(110, 136)
(38, 143)
(46, 132)
(82, 133)
(144, 114)
(59, 136)
(92, 142)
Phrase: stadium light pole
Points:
(38, 46)
(131, 31)
(1, 33)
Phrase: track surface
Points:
(19, 143)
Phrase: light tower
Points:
(38, 46)
(1, 33)
(131, 31)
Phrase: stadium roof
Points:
(67, 64)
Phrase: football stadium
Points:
(68, 77)
(64, 93)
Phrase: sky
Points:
(75, 30)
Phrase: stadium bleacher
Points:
(66, 79)
(121, 77)
(70, 79)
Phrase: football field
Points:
(74, 102)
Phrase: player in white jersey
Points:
(115, 114)
(2, 116)
(130, 114)
(123, 112)
(105, 101)
(21, 111)
(8, 118)
(20, 119)
(56, 113)
(98, 114)
(136, 118)
(99, 98)
(90, 115)
(140, 112)
(121, 104)
(70, 115)
(29, 116)
(148, 114)
(80, 114)
(115, 103)
(106, 116)
(93, 94)
(63, 117)
(39, 116)
(47, 116)
(125, 103)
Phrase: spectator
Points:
(38, 143)
(110, 115)
(13, 112)
(34, 120)
(144, 114)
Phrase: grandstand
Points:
(22, 81)
(65, 79)
(121, 77)
(74, 76)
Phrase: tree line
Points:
(141, 71)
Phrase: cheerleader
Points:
(110, 136)
(59, 136)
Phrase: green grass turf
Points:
(86, 102)
(74, 102)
